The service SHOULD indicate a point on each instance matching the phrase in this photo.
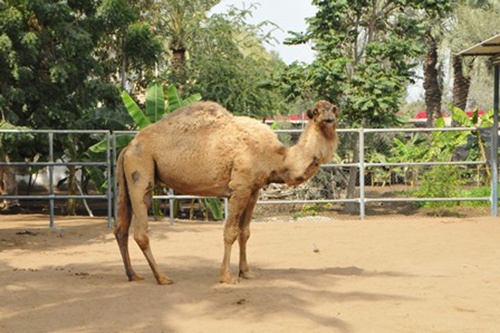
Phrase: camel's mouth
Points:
(329, 121)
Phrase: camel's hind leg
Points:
(142, 239)
(245, 235)
(124, 219)
(121, 235)
(141, 194)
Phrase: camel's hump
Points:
(211, 117)
(199, 109)
(196, 115)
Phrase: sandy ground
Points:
(384, 275)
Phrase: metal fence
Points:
(371, 167)
(46, 159)
(383, 169)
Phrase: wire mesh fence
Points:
(381, 172)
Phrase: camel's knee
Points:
(142, 239)
(231, 233)
(121, 235)
(244, 235)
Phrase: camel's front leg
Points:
(237, 205)
(245, 235)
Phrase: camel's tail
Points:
(124, 206)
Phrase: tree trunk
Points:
(178, 57)
(71, 204)
(8, 186)
(432, 86)
(461, 84)
(178, 62)
(353, 207)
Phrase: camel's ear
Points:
(335, 109)
(312, 112)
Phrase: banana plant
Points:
(156, 107)
(485, 120)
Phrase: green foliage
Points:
(215, 208)
(366, 54)
(156, 107)
(15, 146)
(45, 64)
(227, 63)
(141, 46)
(438, 147)
(476, 192)
(116, 14)
(441, 182)
(175, 101)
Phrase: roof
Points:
(489, 47)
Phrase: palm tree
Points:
(177, 21)
(472, 22)
(432, 75)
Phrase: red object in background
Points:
(297, 117)
(423, 115)
(471, 113)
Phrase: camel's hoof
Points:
(165, 280)
(229, 279)
(135, 277)
(247, 275)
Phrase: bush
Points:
(441, 182)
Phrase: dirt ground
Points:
(326, 275)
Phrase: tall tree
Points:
(179, 20)
(59, 59)
(128, 48)
(366, 53)
(219, 55)
(45, 62)
(432, 80)
(57, 64)
(472, 22)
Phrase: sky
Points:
(288, 15)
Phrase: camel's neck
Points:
(315, 147)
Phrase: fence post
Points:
(171, 205)
(494, 146)
(110, 189)
(51, 178)
(362, 173)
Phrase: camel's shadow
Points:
(306, 294)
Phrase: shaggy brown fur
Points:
(202, 149)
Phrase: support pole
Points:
(109, 177)
(494, 145)
(362, 202)
(115, 182)
(51, 179)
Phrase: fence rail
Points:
(359, 162)
(51, 163)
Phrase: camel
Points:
(202, 149)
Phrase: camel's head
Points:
(324, 114)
